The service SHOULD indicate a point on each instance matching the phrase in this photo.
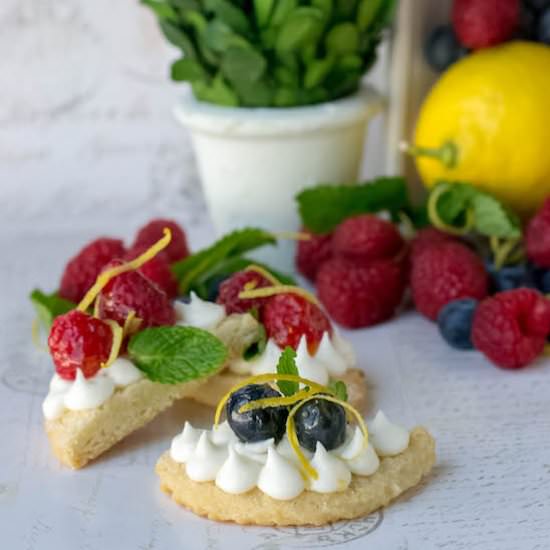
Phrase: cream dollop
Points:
(88, 393)
(184, 444)
(238, 473)
(333, 474)
(261, 364)
(361, 459)
(328, 354)
(222, 434)
(199, 313)
(387, 438)
(206, 459)
(279, 478)
(310, 367)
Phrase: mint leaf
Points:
(454, 202)
(197, 268)
(340, 390)
(323, 207)
(49, 306)
(171, 355)
(287, 365)
(493, 219)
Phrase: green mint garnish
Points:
(49, 306)
(171, 355)
(195, 270)
(340, 390)
(323, 207)
(287, 365)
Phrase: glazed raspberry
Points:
(484, 23)
(287, 317)
(511, 327)
(360, 295)
(78, 340)
(131, 291)
(157, 270)
(312, 253)
(151, 233)
(365, 238)
(446, 272)
(231, 288)
(537, 237)
(82, 270)
(427, 237)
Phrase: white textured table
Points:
(490, 489)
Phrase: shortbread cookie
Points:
(363, 496)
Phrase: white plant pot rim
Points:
(274, 121)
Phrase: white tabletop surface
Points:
(490, 489)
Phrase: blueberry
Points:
(455, 322)
(543, 31)
(528, 23)
(320, 420)
(442, 48)
(538, 5)
(259, 424)
(540, 278)
(509, 277)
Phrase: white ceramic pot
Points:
(253, 162)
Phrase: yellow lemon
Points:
(487, 122)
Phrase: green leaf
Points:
(343, 39)
(493, 219)
(217, 92)
(326, 7)
(231, 15)
(317, 71)
(188, 70)
(283, 9)
(263, 10)
(49, 306)
(179, 38)
(254, 94)
(185, 5)
(243, 65)
(368, 10)
(203, 264)
(161, 9)
(171, 355)
(218, 37)
(323, 207)
(287, 365)
(340, 390)
(454, 202)
(303, 25)
(345, 9)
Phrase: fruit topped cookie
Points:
(288, 454)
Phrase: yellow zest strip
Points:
(262, 379)
(267, 291)
(117, 342)
(502, 251)
(131, 324)
(106, 276)
(283, 401)
(96, 307)
(264, 273)
(292, 235)
(293, 438)
(433, 214)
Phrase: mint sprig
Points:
(171, 355)
(323, 207)
(195, 270)
(49, 306)
(287, 365)
(340, 390)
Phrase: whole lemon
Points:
(487, 122)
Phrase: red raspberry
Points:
(287, 317)
(230, 289)
(537, 237)
(484, 23)
(82, 270)
(80, 341)
(360, 295)
(446, 272)
(312, 253)
(131, 291)
(365, 238)
(511, 327)
(427, 237)
(151, 233)
(157, 270)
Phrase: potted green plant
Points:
(276, 101)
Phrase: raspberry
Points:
(79, 341)
(537, 237)
(484, 23)
(82, 270)
(360, 295)
(151, 233)
(511, 327)
(312, 253)
(157, 270)
(446, 272)
(131, 291)
(427, 237)
(365, 238)
(287, 317)
(231, 288)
